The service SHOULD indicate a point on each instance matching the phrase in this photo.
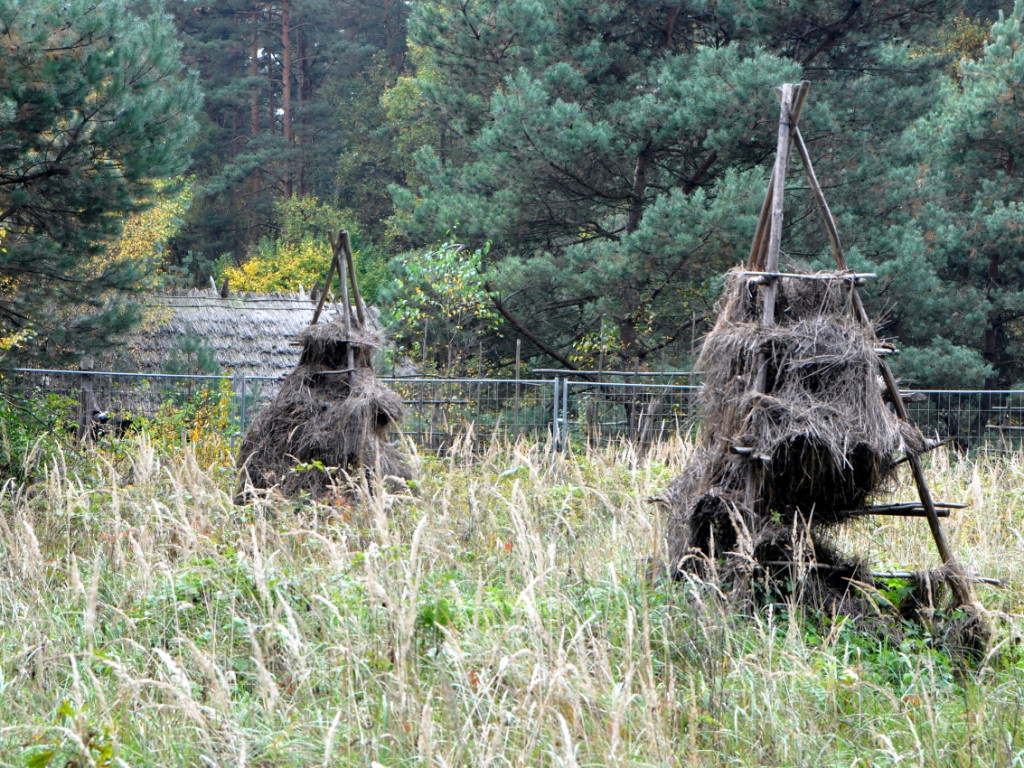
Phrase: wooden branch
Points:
(911, 575)
(850, 569)
(790, 104)
(833, 34)
(759, 245)
(327, 280)
(897, 510)
(958, 581)
(762, 225)
(351, 261)
(858, 278)
(515, 323)
(819, 197)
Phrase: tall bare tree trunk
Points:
(272, 127)
(286, 88)
(303, 78)
(254, 96)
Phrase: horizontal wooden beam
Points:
(908, 575)
(857, 277)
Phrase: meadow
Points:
(500, 611)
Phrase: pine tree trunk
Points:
(303, 92)
(254, 72)
(286, 88)
(272, 127)
(254, 97)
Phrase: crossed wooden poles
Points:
(341, 247)
(764, 261)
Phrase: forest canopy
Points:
(603, 162)
(95, 109)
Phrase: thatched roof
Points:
(246, 332)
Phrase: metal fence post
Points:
(516, 411)
(565, 414)
(241, 408)
(556, 432)
(87, 402)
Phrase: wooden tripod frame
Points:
(764, 261)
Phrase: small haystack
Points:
(797, 436)
(332, 416)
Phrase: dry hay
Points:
(325, 423)
(817, 432)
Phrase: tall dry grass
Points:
(498, 613)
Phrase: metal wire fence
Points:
(565, 410)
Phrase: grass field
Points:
(498, 613)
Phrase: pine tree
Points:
(953, 271)
(615, 153)
(94, 109)
(292, 99)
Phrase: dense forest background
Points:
(571, 174)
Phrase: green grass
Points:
(499, 613)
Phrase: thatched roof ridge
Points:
(247, 333)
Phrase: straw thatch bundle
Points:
(795, 431)
(325, 420)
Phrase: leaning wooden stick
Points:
(759, 246)
(351, 262)
(958, 580)
(327, 281)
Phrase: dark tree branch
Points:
(534, 339)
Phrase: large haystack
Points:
(796, 433)
(324, 419)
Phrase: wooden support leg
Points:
(957, 579)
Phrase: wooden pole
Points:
(327, 281)
(819, 197)
(958, 580)
(86, 402)
(759, 246)
(755, 472)
(345, 302)
(337, 248)
(351, 262)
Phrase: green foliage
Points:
(953, 270)
(342, 57)
(96, 110)
(440, 309)
(192, 356)
(90, 745)
(280, 266)
(617, 155)
(32, 427)
(306, 218)
(301, 253)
